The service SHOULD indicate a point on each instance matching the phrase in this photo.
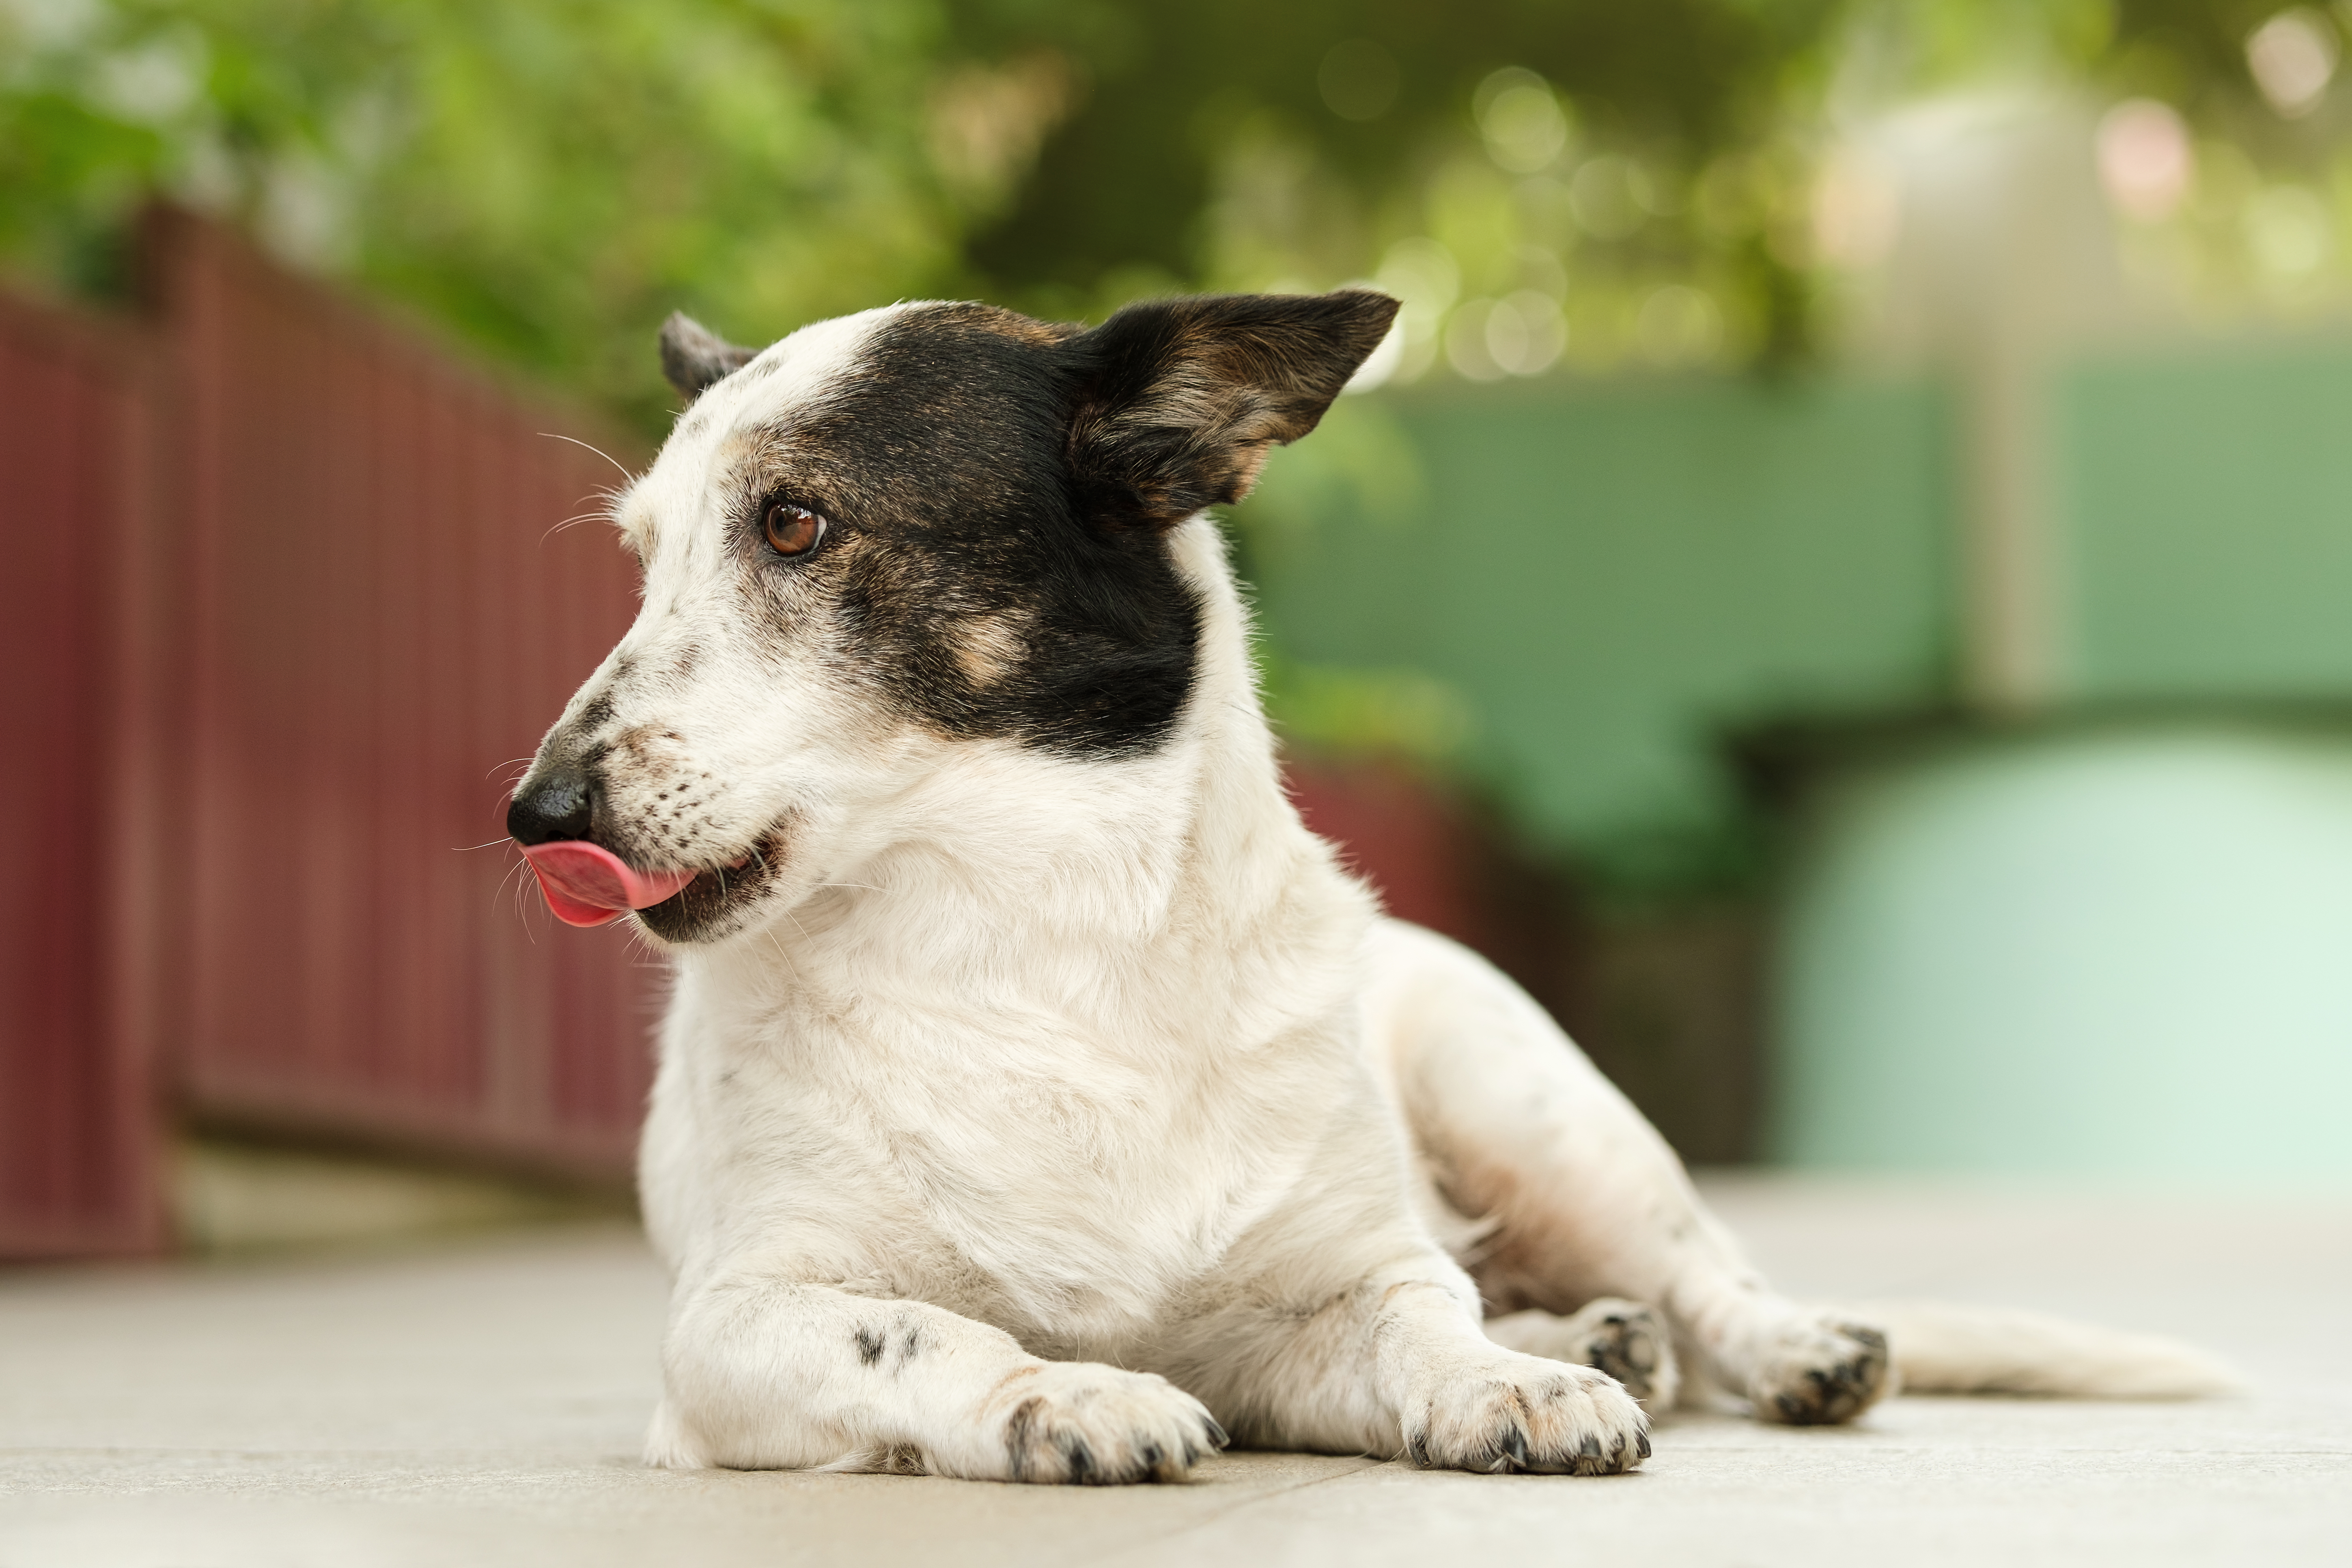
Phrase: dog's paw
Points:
(1625, 1338)
(1513, 1412)
(1821, 1373)
(1075, 1421)
(1630, 1342)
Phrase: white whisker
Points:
(557, 435)
(573, 522)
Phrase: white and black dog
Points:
(1039, 1099)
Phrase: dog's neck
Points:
(1179, 884)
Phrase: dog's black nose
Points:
(560, 802)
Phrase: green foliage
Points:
(547, 177)
(1342, 712)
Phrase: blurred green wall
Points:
(1608, 576)
(2207, 500)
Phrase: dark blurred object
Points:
(79, 1133)
(1667, 1000)
(372, 612)
(1670, 1003)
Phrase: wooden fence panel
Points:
(383, 615)
(80, 862)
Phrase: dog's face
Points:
(895, 538)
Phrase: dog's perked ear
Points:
(693, 356)
(1181, 400)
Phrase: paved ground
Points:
(482, 1405)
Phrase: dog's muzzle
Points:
(585, 884)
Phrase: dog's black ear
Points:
(1179, 400)
(693, 356)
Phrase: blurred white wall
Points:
(1997, 256)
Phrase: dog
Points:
(1038, 1100)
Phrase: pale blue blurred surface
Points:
(2103, 953)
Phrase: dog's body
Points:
(1037, 1093)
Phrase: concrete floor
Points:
(483, 1403)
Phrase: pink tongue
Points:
(587, 886)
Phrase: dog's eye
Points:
(790, 529)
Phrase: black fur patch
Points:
(1022, 1431)
(998, 490)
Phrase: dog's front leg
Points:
(762, 1372)
(1464, 1403)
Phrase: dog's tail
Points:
(1940, 1348)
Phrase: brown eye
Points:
(790, 529)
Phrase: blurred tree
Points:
(1539, 179)
(1236, 144)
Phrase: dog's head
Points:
(904, 536)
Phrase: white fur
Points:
(1043, 1107)
(1945, 1348)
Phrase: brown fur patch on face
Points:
(990, 648)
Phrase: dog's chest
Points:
(1010, 1168)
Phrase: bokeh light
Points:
(2146, 161)
(1521, 119)
(2292, 58)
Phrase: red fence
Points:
(383, 613)
(77, 872)
(290, 604)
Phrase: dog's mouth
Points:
(708, 907)
(585, 884)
